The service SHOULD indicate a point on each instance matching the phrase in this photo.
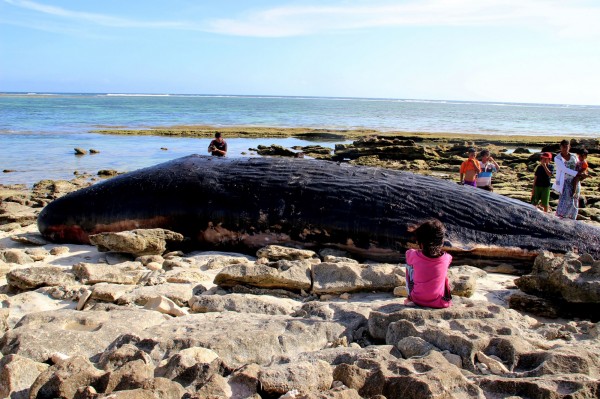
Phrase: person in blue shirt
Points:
(488, 168)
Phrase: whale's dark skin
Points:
(246, 203)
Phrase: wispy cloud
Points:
(575, 17)
(571, 18)
(93, 18)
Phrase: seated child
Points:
(541, 182)
(582, 167)
(427, 269)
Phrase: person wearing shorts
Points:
(469, 169)
(541, 182)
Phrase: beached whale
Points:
(246, 203)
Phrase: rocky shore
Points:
(130, 318)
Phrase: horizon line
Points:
(157, 94)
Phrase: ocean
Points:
(38, 131)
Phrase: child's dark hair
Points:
(430, 234)
(583, 151)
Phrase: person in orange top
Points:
(582, 172)
(469, 169)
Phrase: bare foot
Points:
(408, 302)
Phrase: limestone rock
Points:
(560, 386)
(37, 254)
(164, 305)
(250, 338)
(336, 278)
(65, 378)
(563, 281)
(414, 346)
(110, 292)
(180, 275)
(560, 276)
(116, 358)
(137, 242)
(131, 375)
(15, 256)
(192, 366)
(291, 275)
(278, 252)
(463, 329)
(89, 273)
(39, 335)
(11, 212)
(463, 280)
(180, 294)
(243, 303)
(17, 373)
(41, 276)
(215, 387)
(302, 376)
(534, 304)
(29, 239)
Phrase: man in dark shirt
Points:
(218, 146)
(541, 182)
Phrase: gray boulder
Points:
(137, 242)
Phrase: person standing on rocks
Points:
(488, 167)
(566, 170)
(469, 169)
(541, 182)
(218, 146)
(427, 269)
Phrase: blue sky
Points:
(488, 50)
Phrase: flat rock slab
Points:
(243, 303)
(337, 278)
(87, 333)
(291, 275)
(89, 273)
(237, 338)
(137, 242)
(40, 276)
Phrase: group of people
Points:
(571, 169)
(478, 173)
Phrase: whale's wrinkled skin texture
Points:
(246, 203)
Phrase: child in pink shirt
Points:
(427, 269)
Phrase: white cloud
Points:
(94, 18)
(575, 17)
(571, 18)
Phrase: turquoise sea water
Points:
(39, 131)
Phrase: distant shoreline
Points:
(314, 134)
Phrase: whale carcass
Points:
(246, 203)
